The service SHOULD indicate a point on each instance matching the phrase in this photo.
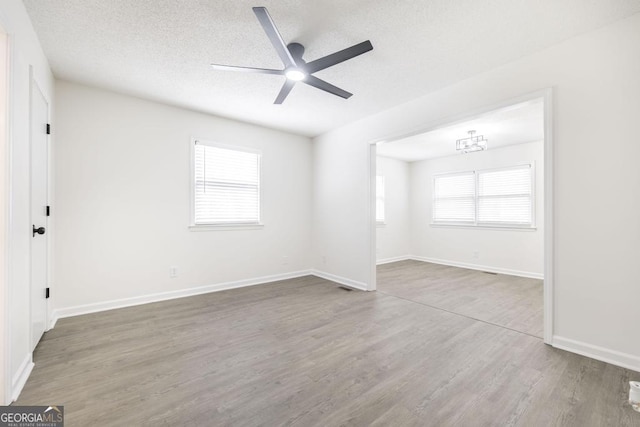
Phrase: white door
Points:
(39, 236)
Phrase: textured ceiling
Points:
(161, 49)
(512, 125)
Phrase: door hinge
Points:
(48, 210)
(48, 129)
(46, 295)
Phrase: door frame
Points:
(5, 357)
(34, 85)
(548, 283)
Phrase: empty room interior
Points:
(465, 233)
(320, 213)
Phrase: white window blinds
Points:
(380, 198)
(495, 197)
(226, 185)
(505, 196)
(454, 198)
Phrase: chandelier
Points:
(471, 143)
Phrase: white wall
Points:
(392, 237)
(341, 205)
(25, 52)
(509, 251)
(122, 206)
(596, 109)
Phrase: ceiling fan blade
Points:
(338, 57)
(327, 87)
(286, 88)
(246, 69)
(274, 36)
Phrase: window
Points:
(226, 185)
(380, 199)
(454, 198)
(505, 196)
(494, 197)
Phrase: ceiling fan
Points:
(297, 69)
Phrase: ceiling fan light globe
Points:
(295, 75)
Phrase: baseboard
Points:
(52, 322)
(490, 269)
(393, 259)
(21, 376)
(163, 296)
(341, 280)
(613, 357)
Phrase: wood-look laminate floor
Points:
(304, 352)
(509, 301)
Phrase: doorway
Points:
(39, 159)
(470, 233)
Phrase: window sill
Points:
(381, 224)
(225, 227)
(485, 227)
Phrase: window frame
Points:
(475, 224)
(192, 184)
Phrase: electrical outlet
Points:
(324, 260)
(476, 254)
(173, 272)
(285, 260)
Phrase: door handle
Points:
(38, 230)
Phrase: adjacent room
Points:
(460, 217)
(320, 213)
